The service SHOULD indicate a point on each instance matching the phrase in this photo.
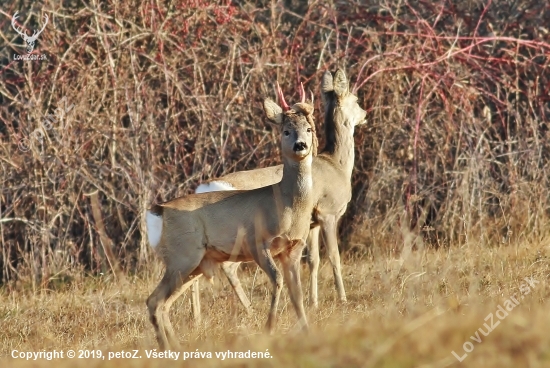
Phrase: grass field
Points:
(410, 312)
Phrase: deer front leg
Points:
(230, 270)
(267, 264)
(330, 230)
(313, 262)
(291, 272)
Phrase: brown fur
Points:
(200, 231)
(331, 171)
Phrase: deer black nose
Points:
(300, 146)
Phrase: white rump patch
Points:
(154, 228)
(214, 186)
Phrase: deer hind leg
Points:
(264, 259)
(291, 272)
(196, 301)
(230, 270)
(155, 305)
(174, 282)
(313, 262)
(329, 230)
(169, 330)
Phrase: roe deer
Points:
(194, 233)
(332, 170)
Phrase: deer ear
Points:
(327, 83)
(341, 85)
(273, 111)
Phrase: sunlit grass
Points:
(399, 314)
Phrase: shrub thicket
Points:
(168, 93)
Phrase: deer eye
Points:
(309, 130)
(286, 133)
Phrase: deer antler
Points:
(302, 93)
(18, 29)
(282, 98)
(35, 35)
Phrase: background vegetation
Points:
(167, 94)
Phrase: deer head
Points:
(299, 140)
(345, 101)
(29, 40)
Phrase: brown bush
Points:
(168, 93)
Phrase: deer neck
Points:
(297, 182)
(340, 145)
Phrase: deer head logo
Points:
(29, 40)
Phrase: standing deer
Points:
(194, 233)
(32, 39)
(332, 170)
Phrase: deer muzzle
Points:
(299, 146)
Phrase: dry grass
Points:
(398, 315)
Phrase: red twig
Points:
(479, 21)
